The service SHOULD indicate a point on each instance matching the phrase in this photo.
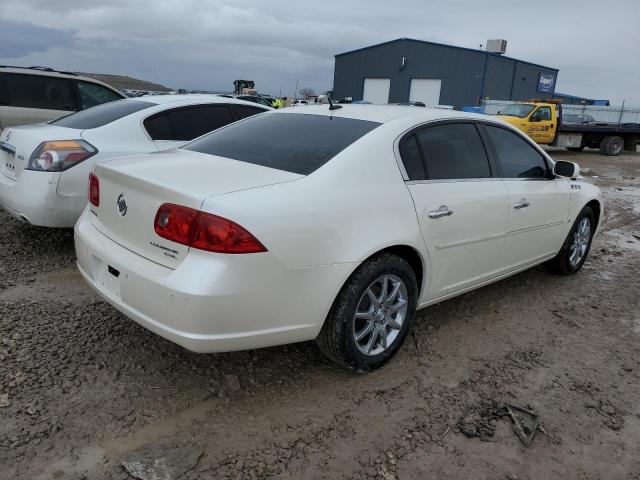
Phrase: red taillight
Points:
(174, 222)
(94, 190)
(204, 231)
(217, 234)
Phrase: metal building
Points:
(406, 70)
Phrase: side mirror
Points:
(534, 118)
(566, 169)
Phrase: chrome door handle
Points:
(521, 204)
(442, 211)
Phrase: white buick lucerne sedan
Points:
(327, 224)
(44, 167)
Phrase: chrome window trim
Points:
(455, 180)
(482, 121)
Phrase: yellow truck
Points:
(545, 124)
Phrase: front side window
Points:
(35, 91)
(453, 151)
(101, 115)
(297, 143)
(541, 114)
(92, 94)
(517, 110)
(184, 124)
(518, 159)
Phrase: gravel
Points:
(84, 390)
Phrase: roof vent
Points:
(497, 46)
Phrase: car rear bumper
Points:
(210, 302)
(32, 198)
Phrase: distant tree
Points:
(307, 92)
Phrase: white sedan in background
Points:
(327, 223)
(44, 167)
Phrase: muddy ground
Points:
(83, 389)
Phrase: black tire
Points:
(562, 264)
(612, 146)
(336, 337)
(575, 149)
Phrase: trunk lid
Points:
(18, 143)
(173, 176)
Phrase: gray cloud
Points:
(190, 44)
(21, 39)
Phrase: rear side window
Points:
(35, 91)
(412, 159)
(183, 124)
(92, 94)
(242, 111)
(297, 143)
(453, 151)
(102, 114)
(518, 159)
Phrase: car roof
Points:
(383, 113)
(193, 98)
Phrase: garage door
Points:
(426, 90)
(376, 90)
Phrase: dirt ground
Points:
(86, 393)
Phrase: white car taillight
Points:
(59, 155)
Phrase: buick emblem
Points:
(122, 204)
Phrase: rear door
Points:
(539, 202)
(462, 209)
(173, 128)
(31, 99)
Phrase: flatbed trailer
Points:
(542, 121)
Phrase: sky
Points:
(208, 44)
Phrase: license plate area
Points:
(106, 277)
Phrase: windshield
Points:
(297, 143)
(520, 110)
(100, 115)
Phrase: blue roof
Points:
(425, 42)
(574, 97)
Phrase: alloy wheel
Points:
(380, 314)
(580, 242)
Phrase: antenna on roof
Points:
(331, 105)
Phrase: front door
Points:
(540, 125)
(462, 210)
(538, 202)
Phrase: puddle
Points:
(627, 195)
(604, 275)
(79, 461)
(624, 239)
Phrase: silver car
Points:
(39, 94)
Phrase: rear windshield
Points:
(297, 143)
(100, 115)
